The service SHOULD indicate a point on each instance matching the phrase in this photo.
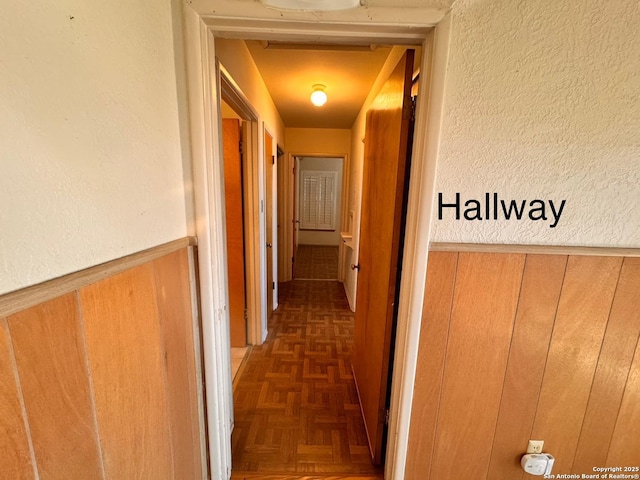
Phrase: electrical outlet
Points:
(535, 446)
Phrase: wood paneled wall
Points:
(101, 383)
(526, 346)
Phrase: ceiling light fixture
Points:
(311, 5)
(318, 96)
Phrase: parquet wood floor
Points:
(316, 262)
(295, 403)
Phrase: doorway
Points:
(418, 216)
(304, 369)
(318, 205)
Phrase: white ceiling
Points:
(289, 74)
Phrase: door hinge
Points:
(273, 285)
(273, 159)
(246, 315)
(241, 147)
(414, 101)
(386, 417)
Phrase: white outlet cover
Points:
(535, 446)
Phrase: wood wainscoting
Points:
(519, 346)
(101, 381)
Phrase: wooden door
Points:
(269, 161)
(385, 160)
(235, 230)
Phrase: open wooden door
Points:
(386, 150)
(231, 132)
(269, 161)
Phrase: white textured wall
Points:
(90, 155)
(543, 101)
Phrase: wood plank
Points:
(234, 215)
(484, 308)
(14, 443)
(174, 305)
(583, 310)
(288, 476)
(387, 129)
(24, 298)
(434, 332)
(129, 379)
(534, 249)
(51, 360)
(625, 441)
(611, 374)
(539, 296)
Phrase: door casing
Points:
(204, 85)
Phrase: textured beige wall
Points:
(542, 100)
(90, 147)
(331, 141)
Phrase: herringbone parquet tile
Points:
(316, 262)
(296, 406)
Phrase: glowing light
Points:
(318, 96)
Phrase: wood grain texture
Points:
(612, 371)
(535, 249)
(235, 230)
(15, 463)
(50, 357)
(387, 130)
(434, 332)
(484, 307)
(19, 300)
(285, 476)
(296, 409)
(126, 365)
(174, 305)
(583, 310)
(624, 448)
(539, 296)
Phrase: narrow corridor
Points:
(295, 401)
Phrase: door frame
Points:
(203, 87)
(293, 211)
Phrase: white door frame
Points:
(344, 200)
(209, 200)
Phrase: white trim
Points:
(253, 192)
(421, 192)
(210, 231)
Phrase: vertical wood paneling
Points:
(50, 357)
(583, 310)
(541, 285)
(174, 304)
(436, 315)
(485, 300)
(127, 368)
(15, 458)
(625, 442)
(611, 375)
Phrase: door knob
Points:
(355, 267)
(269, 245)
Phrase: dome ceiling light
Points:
(318, 96)
(311, 5)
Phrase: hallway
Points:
(296, 406)
(316, 262)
